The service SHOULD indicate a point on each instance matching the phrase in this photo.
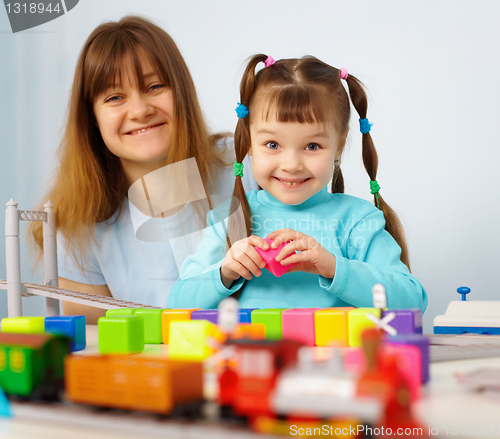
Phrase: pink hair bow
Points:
(269, 61)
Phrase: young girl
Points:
(133, 109)
(294, 118)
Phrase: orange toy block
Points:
(170, 315)
(249, 331)
(332, 326)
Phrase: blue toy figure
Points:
(4, 405)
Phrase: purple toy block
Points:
(205, 314)
(70, 326)
(422, 342)
(407, 321)
(298, 324)
(269, 257)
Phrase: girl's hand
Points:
(243, 260)
(313, 257)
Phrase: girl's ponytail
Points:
(242, 145)
(370, 161)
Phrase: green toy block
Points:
(121, 334)
(24, 325)
(152, 324)
(121, 312)
(193, 339)
(271, 318)
(358, 322)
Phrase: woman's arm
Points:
(91, 313)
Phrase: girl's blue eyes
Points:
(311, 147)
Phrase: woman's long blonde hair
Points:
(90, 184)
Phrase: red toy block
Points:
(298, 324)
(269, 257)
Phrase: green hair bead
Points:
(238, 169)
(374, 190)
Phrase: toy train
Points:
(278, 386)
(139, 383)
(31, 365)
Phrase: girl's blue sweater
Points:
(350, 228)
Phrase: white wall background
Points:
(431, 67)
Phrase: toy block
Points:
(193, 340)
(408, 359)
(70, 326)
(249, 331)
(407, 321)
(269, 258)
(152, 324)
(24, 325)
(358, 322)
(120, 334)
(121, 312)
(332, 327)
(271, 318)
(422, 343)
(298, 324)
(169, 315)
(246, 315)
(205, 314)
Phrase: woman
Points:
(133, 110)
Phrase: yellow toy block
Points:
(193, 339)
(170, 315)
(24, 325)
(358, 322)
(332, 327)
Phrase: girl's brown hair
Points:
(307, 90)
(90, 184)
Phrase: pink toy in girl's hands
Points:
(269, 257)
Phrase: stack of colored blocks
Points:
(341, 326)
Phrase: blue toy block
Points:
(4, 405)
(70, 326)
(211, 315)
(246, 315)
(407, 321)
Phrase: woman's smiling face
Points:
(135, 124)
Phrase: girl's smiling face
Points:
(292, 161)
(135, 123)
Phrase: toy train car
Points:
(275, 387)
(32, 365)
(139, 383)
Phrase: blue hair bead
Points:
(365, 126)
(241, 111)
